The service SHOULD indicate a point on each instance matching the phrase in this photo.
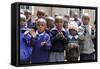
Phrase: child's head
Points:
(59, 22)
(41, 25)
(75, 15)
(21, 11)
(73, 28)
(28, 14)
(85, 19)
(41, 14)
(50, 21)
(67, 16)
(56, 14)
(22, 20)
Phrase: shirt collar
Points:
(70, 36)
(24, 28)
(56, 29)
(40, 34)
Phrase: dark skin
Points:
(49, 23)
(73, 32)
(59, 25)
(85, 20)
(75, 16)
(28, 16)
(22, 22)
(40, 14)
(41, 28)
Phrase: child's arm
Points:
(93, 32)
(32, 32)
(53, 36)
(64, 37)
(28, 38)
(81, 33)
(47, 43)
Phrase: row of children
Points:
(45, 39)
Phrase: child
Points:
(58, 40)
(87, 33)
(76, 19)
(24, 48)
(72, 49)
(40, 14)
(40, 43)
(30, 22)
(50, 24)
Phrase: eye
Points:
(42, 25)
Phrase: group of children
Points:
(45, 39)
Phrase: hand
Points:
(61, 34)
(32, 32)
(93, 27)
(43, 43)
(29, 17)
(73, 45)
(26, 32)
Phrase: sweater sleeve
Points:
(48, 43)
(27, 38)
(53, 36)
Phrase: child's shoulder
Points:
(46, 34)
(53, 30)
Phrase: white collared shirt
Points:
(57, 29)
(70, 36)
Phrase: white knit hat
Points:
(73, 25)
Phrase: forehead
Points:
(86, 17)
(40, 12)
(41, 23)
(59, 20)
(49, 20)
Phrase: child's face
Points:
(28, 16)
(72, 32)
(41, 27)
(75, 16)
(50, 22)
(22, 23)
(85, 20)
(40, 15)
(59, 23)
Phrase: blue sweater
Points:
(78, 22)
(40, 53)
(25, 50)
(30, 24)
(58, 44)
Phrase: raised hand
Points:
(43, 43)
